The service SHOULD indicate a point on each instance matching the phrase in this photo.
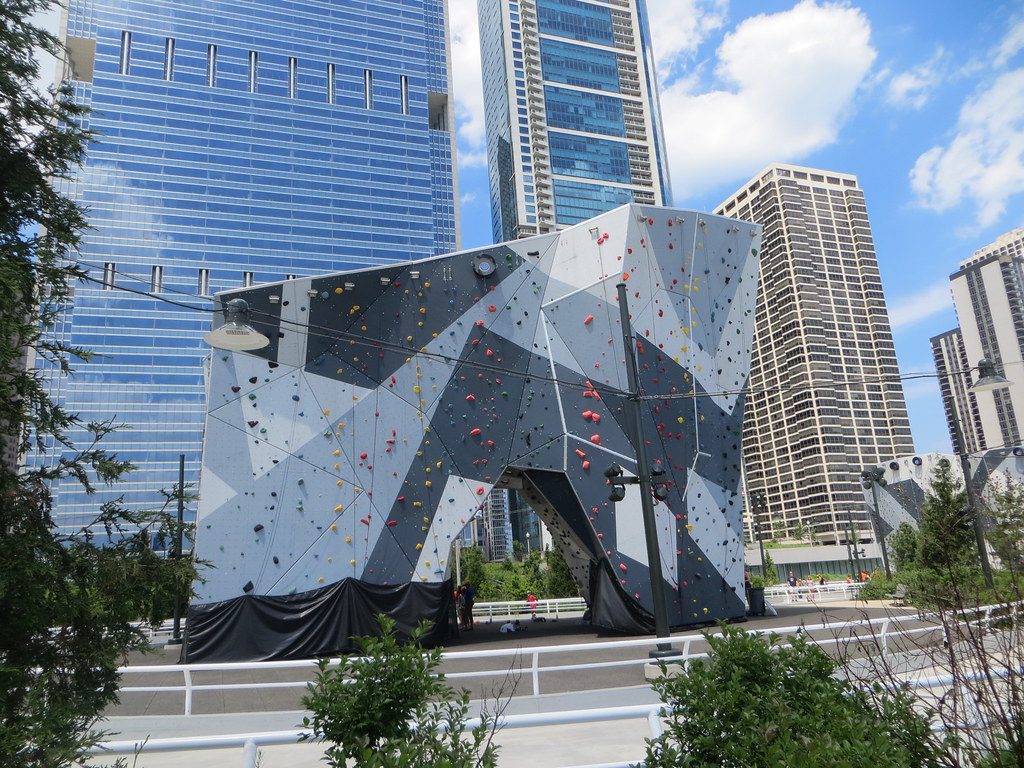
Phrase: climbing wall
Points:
(392, 400)
(908, 481)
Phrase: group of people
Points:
(465, 595)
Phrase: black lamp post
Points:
(762, 507)
(178, 545)
(648, 482)
(872, 477)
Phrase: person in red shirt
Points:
(531, 599)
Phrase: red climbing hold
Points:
(586, 465)
(470, 399)
(392, 523)
(363, 456)
(480, 491)
(623, 567)
(474, 432)
(588, 415)
(491, 308)
(588, 319)
(595, 439)
(479, 323)
(489, 353)
(596, 418)
(364, 521)
(580, 453)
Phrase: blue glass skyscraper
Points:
(238, 142)
(571, 106)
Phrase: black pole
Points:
(178, 544)
(643, 474)
(877, 520)
(849, 552)
(762, 508)
(973, 508)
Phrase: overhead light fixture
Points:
(236, 334)
(988, 379)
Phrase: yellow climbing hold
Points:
(337, 452)
(333, 526)
(348, 539)
(338, 508)
(351, 562)
(428, 484)
(419, 546)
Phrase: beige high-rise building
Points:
(825, 398)
(988, 291)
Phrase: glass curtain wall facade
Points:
(237, 143)
(571, 108)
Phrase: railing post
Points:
(188, 691)
(249, 754)
(885, 638)
(536, 673)
(654, 722)
(686, 653)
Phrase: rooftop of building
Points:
(998, 247)
(786, 170)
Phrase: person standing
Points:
(470, 597)
(531, 600)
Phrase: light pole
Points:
(178, 545)
(762, 507)
(988, 381)
(527, 542)
(872, 477)
(644, 480)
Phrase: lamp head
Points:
(988, 378)
(617, 493)
(614, 470)
(236, 334)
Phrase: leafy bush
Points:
(755, 703)
(390, 708)
(878, 587)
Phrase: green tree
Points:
(389, 707)
(1006, 508)
(799, 532)
(755, 703)
(68, 602)
(946, 539)
(770, 574)
(560, 582)
(472, 563)
(903, 546)
(518, 550)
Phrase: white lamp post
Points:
(236, 334)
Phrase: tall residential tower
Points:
(988, 291)
(571, 106)
(825, 398)
(237, 143)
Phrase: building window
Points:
(156, 280)
(293, 77)
(169, 58)
(254, 64)
(368, 89)
(203, 285)
(109, 270)
(332, 78)
(405, 95)
(126, 54)
(246, 279)
(211, 65)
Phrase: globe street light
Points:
(236, 334)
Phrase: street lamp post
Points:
(872, 478)
(178, 545)
(762, 506)
(644, 480)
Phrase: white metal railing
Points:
(813, 593)
(553, 608)
(526, 659)
(250, 742)
(653, 713)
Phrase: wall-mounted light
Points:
(274, 299)
(385, 280)
(350, 286)
(414, 274)
(312, 293)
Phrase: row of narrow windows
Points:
(125, 67)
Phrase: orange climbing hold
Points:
(588, 319)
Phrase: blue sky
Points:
(922, 99)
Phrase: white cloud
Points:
(790, 80)
(467, 79)
(912, 309)
(1011, 45)
(983, 162)
(679, 27)
(914, 87)
(468, 197)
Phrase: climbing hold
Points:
(588, 319)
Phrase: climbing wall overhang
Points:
(356, 446)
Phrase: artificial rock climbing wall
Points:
(391, 400)
(908, 481)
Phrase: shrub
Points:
(390, 708)
(755, 703)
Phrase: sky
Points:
(922, 99)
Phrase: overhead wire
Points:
(332, 334)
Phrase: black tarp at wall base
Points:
(321, 622)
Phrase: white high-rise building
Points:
(825, 398)
(988, 291)
(959, 402)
